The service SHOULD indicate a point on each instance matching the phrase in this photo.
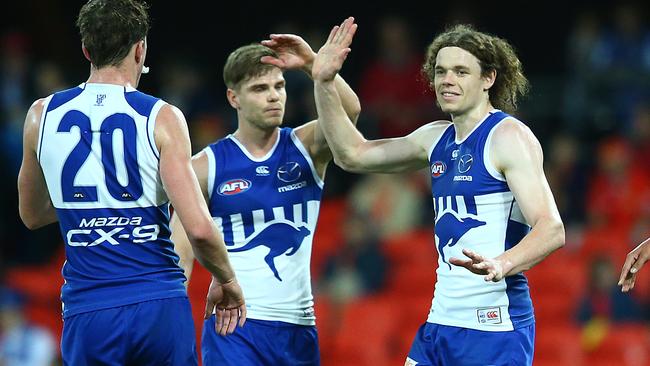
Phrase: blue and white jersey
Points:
(97, 151)
(475, 209)
(267, 210)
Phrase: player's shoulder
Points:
(429, 132)
(512, 129)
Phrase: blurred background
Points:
(373, 262)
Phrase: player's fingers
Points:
(209, 307)
(350, 34)
(232, 324)
(460, 262)
(218, 324)
(242, 315)
(270, 60)
(480, 265)
(473, 255)
(330, 38)
(625, 271)
(225, 325)
(629, 281)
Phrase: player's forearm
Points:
(349, 99)
(342, 137)
(212, 254)
(182, 247)
(546, 236)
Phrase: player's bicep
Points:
(35, 207)
(176, 172)
(519, 156)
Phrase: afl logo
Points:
(438, 168)
(234, 186)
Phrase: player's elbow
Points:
(355, 111)
(557, 231)
(201, 235)
(32, 222)
(348, 163)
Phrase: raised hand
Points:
(331, 56)
(491, 268)
(229, 301)
(633, 263)
(293, 52)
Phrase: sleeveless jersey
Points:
(475, 209)
(267, 210)
(97, 151)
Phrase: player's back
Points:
(97, 151)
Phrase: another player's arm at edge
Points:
(517, 154)
(182, 244)
(172, 139)
(34, 203)
(354, 153)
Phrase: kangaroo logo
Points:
(450, 228)
(278, 236)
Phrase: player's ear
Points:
(140, 51)
(488, 79)
(232, 97)
(86, 53)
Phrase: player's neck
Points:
(465, 123)
(111, 75)
(257, 141)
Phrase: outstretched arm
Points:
(295, 53)
(182, 187)
(633, 263)
(350, 149)
(518, 155)
(34, 203)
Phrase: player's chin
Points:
(274, 121)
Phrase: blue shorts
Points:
(157, 332)
(261, 342)
(436, 344)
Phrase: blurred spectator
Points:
(604, 298)
(22, 344)
(604, 303)
(581, 101)
(393, 92)
(609, 71)
(14, 96)
(619, 189)
(567, 177)
(359, 267)
(395, 202)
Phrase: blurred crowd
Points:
(593, 120)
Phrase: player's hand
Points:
(331, 56)
(491, 268)
(229, 301)
(633, 263)
(293, 52)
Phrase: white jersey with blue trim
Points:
(475, 209)
(99, 158)
(267, 210)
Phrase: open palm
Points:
(331, 56)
